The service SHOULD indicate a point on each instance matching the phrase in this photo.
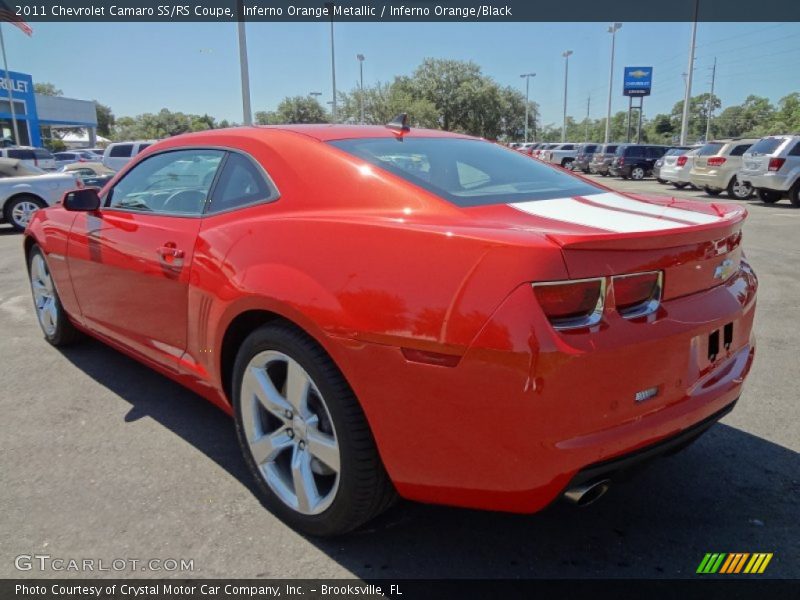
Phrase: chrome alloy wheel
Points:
(44, 296)
(290, 432)
(740, 189)
(22, 212)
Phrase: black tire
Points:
(65, 332)
(604, 174)
(794, 194)
(8, 209)
(364, 489)
(679, 184)
(745, 189)
(768, 196)
(711, 192)
(661, 181)
(567, 163)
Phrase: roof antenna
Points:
(399, 123)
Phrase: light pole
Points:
(247, 112)
(527, 77)
(688, 92)
(613, 31)
(360, 58)
(566, 54)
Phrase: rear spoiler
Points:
(731, 217)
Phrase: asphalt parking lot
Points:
(102, 458)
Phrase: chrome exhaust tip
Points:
(587, 493)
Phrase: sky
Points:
(194, 67)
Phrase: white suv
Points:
(772, 167)
(35, 157)
(119, 154)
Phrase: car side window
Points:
(175, 182)
(240, 183)
(796, 150)
(740, 149)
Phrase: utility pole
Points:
(613, 31)
(527, 77)
(566, 54)
(688, 93)
(588, 105)
(711, 99)
(360, 58)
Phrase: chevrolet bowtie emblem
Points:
(724, 270)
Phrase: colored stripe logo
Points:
(734, 563)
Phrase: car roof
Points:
(326, 132)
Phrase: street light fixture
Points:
(613, 31)
(566, 54)
(527, 77)
(361, 58)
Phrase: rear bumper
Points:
(674, 176)
(713, 181)
(527, 408)
(767, 181)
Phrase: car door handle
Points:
(169, 252)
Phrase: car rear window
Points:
(710, 149)
(21, 154)
(466, 172)
(766, 145)
(121, 150)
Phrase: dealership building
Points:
(37, 115)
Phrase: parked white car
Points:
(772, 167)
(676, 167)
(24, 189)
(119, 154)
(562, 155)
(72, 156)
(35, 157)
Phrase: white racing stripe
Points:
(624, 203)
(570, 210)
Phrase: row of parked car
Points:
(32, 178)
(768, 167)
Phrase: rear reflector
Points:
(775, 164)
(716, 161)
(681, 161)
(572, 304)
(639, 294)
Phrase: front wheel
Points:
(739, 190)
(679, 184)
(567, 164)
(55, 324)
(19, 210)
(304, 435)
(794, 195)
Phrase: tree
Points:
(47, 89)
(297, 109)
(105, 119)
(163, 124)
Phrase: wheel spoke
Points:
(268, 447)
(258, 383)
(305, 488)
(323, 447)
(297, 387)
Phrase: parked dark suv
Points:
(601, 160)
(583, 157)
(635, 161)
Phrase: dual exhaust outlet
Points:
(587, 493)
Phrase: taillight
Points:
(681, 161)
(572, 304)
(621, 161)
(775, 164)
(716, 161)
(638, 294)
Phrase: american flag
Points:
(8, 15)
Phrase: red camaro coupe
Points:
(387, 311)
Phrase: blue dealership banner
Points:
(637, 81)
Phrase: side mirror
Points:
(83, 200)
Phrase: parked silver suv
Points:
(772, 167)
